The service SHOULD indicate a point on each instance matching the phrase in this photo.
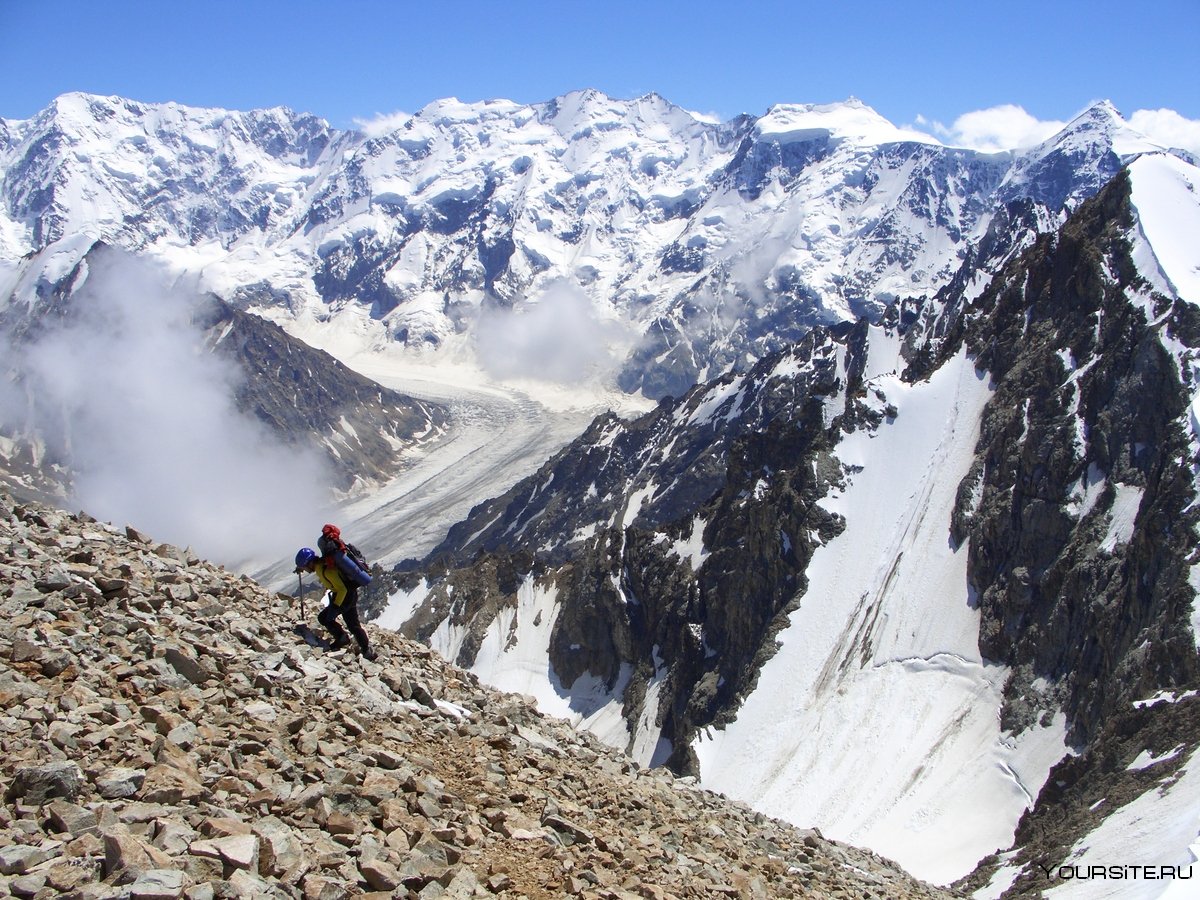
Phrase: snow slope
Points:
(514, 656)
(1165, 191)
(877, 721)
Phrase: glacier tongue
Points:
(877, 720)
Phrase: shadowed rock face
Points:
(165, 734)
(306, 396)
(1087, 397)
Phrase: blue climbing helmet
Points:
(304, 556)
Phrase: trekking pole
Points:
(300, 591)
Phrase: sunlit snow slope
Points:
(878, 721)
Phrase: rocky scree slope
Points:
(165, 735)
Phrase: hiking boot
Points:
(370, 654)
(339, 642)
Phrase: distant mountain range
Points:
(686, 247)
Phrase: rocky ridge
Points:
(742, 462)
(165, 735)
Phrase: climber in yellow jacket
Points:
(342, 577)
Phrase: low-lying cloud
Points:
(1005, 127)
(1010, 127)
(124, 391)
(1169, 128)
(381, 124)
(559, 337)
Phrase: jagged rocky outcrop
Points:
(675, 543)
(1086, 426)
(674, 546)
(165, 735)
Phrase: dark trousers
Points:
(348, 611)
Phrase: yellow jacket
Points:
(330, 576)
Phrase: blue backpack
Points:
(330, 543)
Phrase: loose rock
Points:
(192, 747)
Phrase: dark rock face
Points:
(1087, 400)
(301, 394)
(740, 462)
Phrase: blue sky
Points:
(926, 63)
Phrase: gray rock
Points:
(71, 818)
(187, 666)
(158, 884)
(119, 782)
(381, 875)
(37, 784)
(280, 849)
(18, 859)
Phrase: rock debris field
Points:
(166, 735)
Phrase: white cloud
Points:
(382, 123)
(1005, 127)
(558, 338)
(125, 393)
(708, 118)
(1010, 127)
(1169, 128)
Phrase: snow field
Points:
(877, 721)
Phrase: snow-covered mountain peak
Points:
(580, 115)
(1074, 163)
(135, 173)
(1102, 124)
(450, 111)
(276, 131)
(850, 120)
